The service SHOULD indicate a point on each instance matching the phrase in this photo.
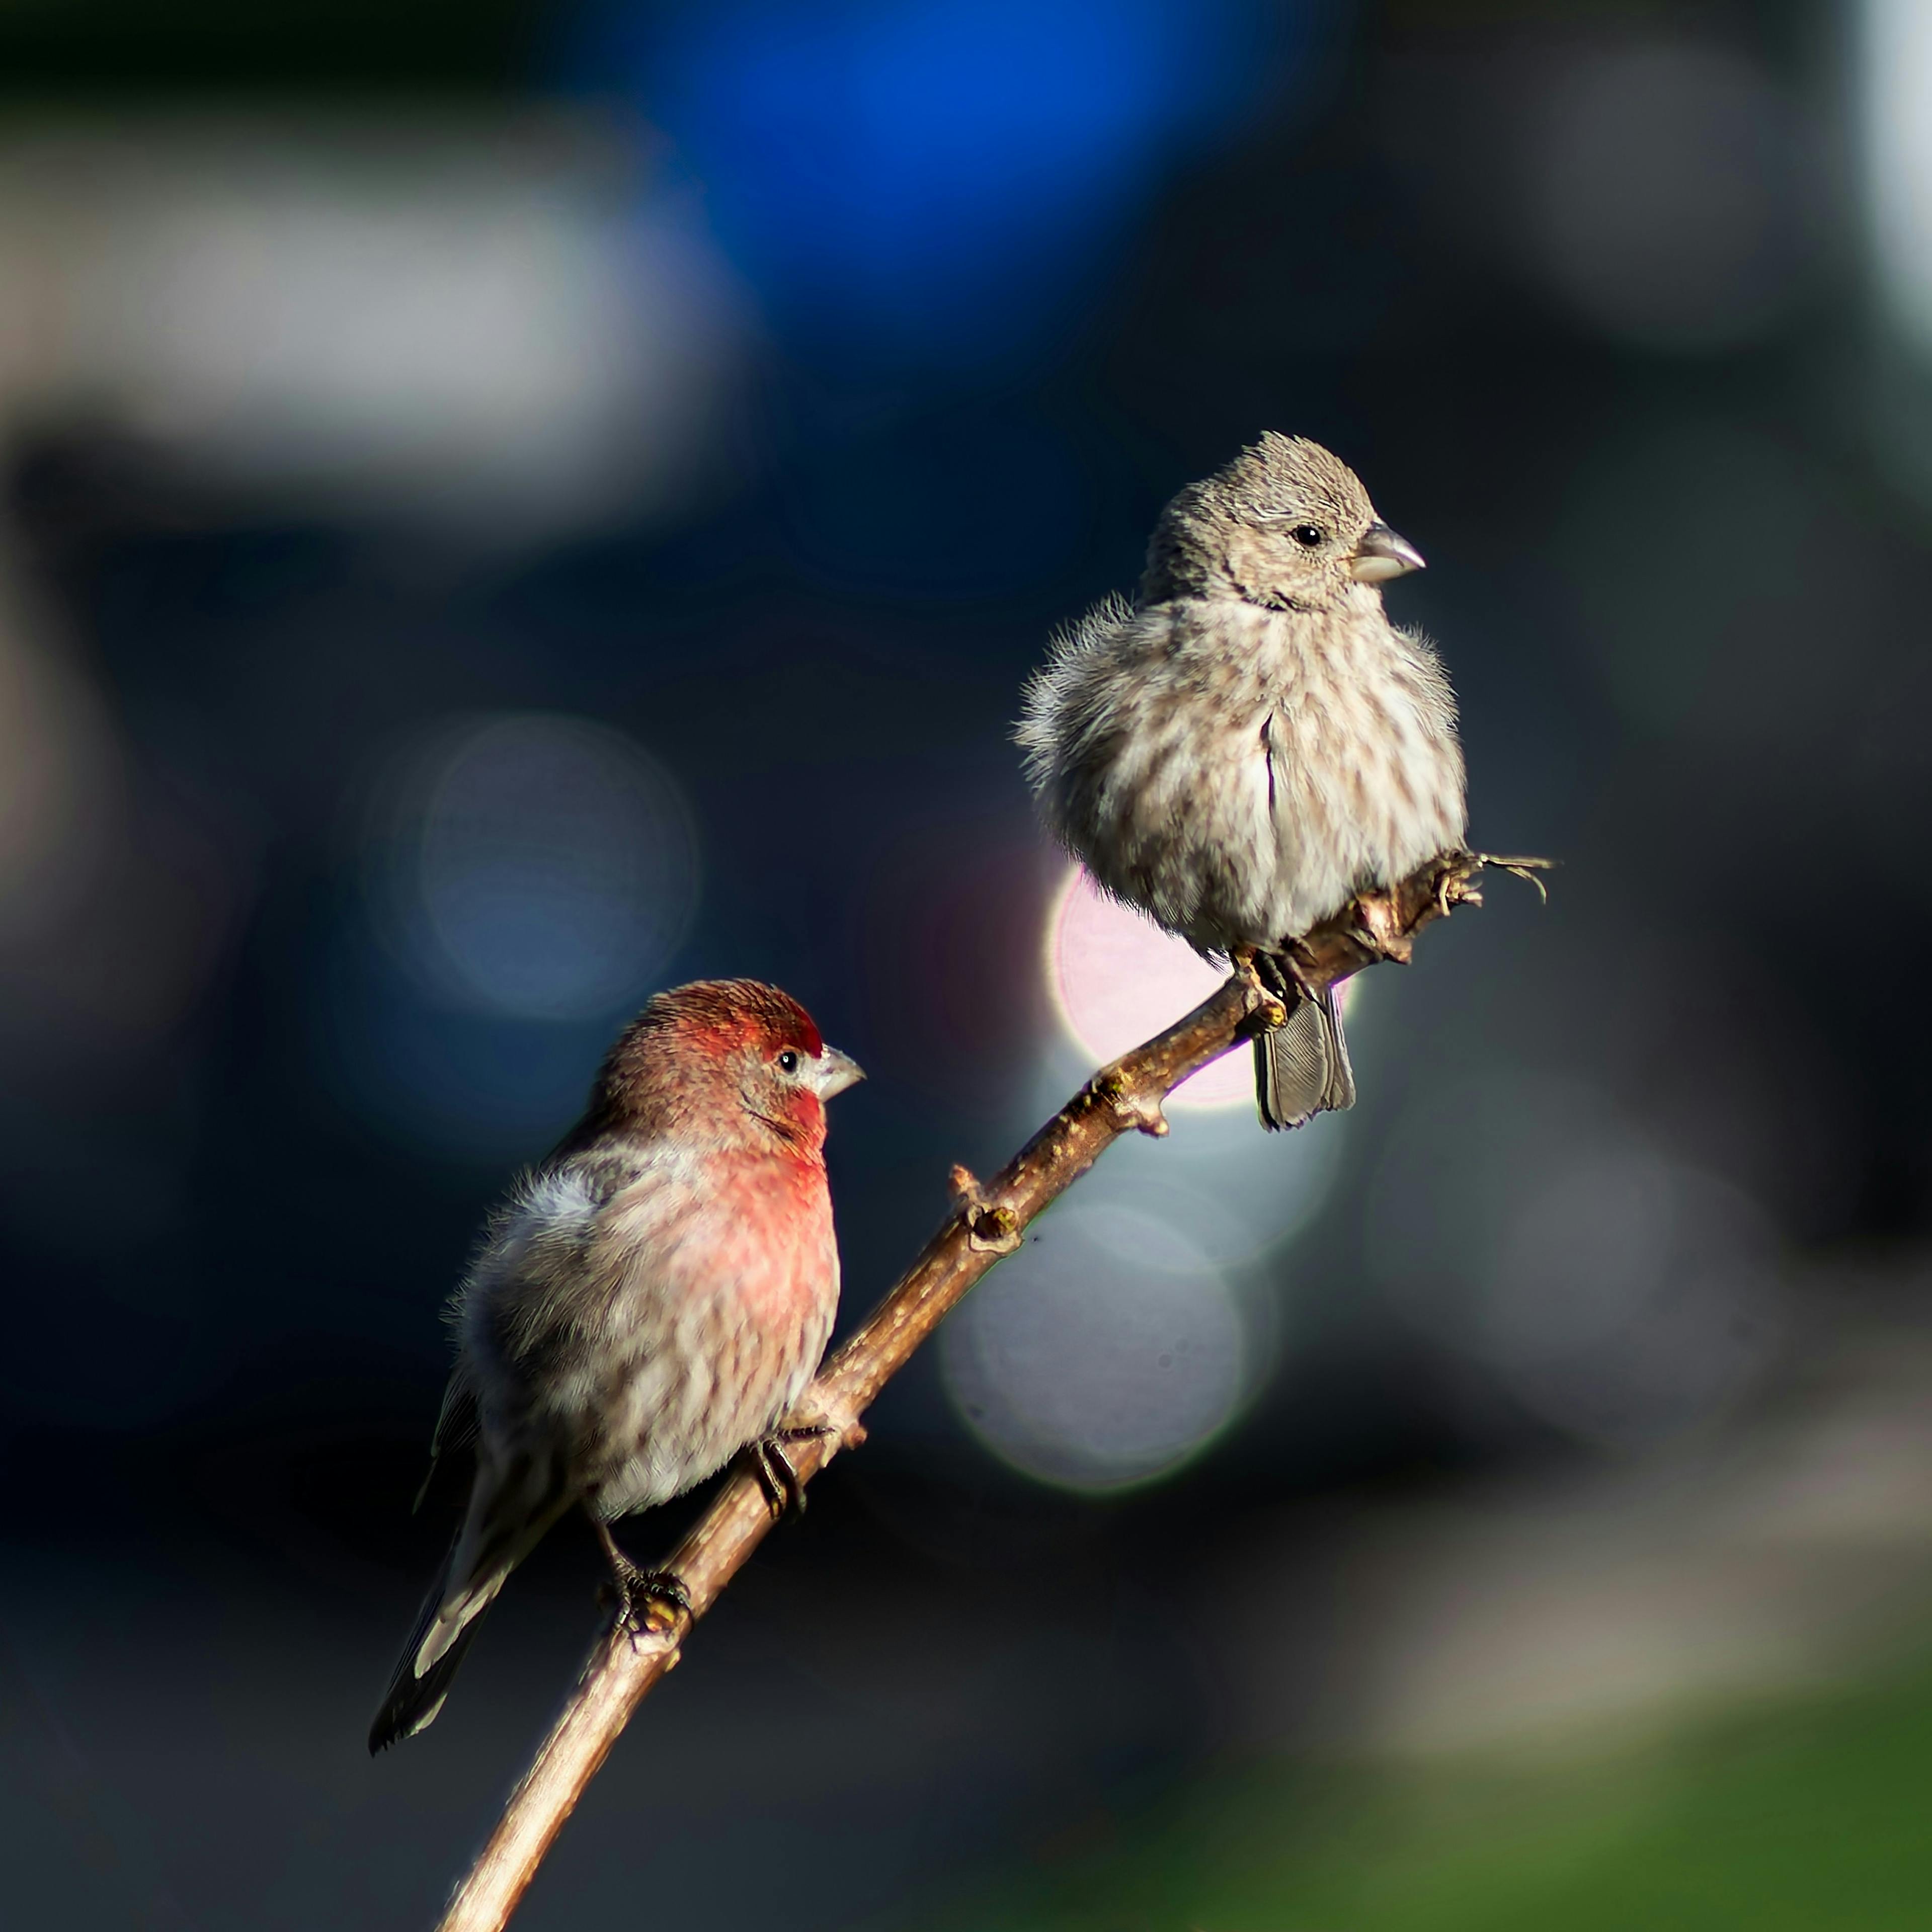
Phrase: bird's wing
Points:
(510, 1506)
(455, 1429)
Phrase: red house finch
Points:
(651, 1300)
(1251, 742)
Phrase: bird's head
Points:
(1286, 525)
(730, 1061)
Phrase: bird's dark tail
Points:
(512, 1505)
(411, 1701)
(1301, 1069)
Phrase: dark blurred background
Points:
(504, 507)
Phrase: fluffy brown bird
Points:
(1251, 742)
(652, 1299)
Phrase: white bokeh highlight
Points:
(1116, 980)
(490, 319)
(1894, 83)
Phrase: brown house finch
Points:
(650, 1300)
(1251, 742)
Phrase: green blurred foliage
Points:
(1810, 1814)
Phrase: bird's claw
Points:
(646, 1603)
(660, 1595)
(1274, 973)
(1453, 888)
(784, 1491)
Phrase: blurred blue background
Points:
(503, 508)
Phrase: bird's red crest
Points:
(726, 1014)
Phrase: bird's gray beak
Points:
(836, 1071)
(1381, 554)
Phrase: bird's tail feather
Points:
(510, 1506)
(1301, 1068)
(487, 1548)
(414, 1695)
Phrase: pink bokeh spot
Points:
(1117, 979)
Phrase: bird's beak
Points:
(1381, 554)
(836, 1071)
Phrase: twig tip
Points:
(1526, 869)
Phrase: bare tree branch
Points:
(988, 1222)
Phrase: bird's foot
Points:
(1374, 924)
(777, 1476)
(1277, 977)
(647, 1602)
(1272, 976)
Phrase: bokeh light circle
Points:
(1668, 197)
(1116, 980)
(1108, 1351)
(1617, 1292)
(538, 865)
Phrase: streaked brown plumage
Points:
(1250, 742)
(652, 1298)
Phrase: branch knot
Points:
(991, 1228)
(1130, 1105)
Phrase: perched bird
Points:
(651, 1300)
(1250, 743)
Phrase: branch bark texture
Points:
(988, 1222)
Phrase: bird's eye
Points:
(1310, 536)
(787, 1061)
